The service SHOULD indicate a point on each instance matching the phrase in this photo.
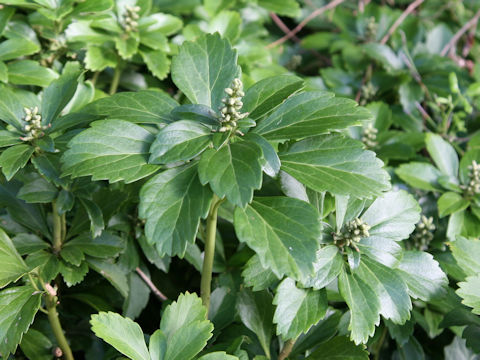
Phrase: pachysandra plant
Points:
(212, 153)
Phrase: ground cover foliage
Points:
(239, 179)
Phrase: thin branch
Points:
(286, 30)
(473, 21)
(400, 20)
(282, 26)
(150, 284)
(286, 350)
(305, 21)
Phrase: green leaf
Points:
(97, 58)
(364, 306)
(180, 141)
(112, 272)
(203, 69)
(423, 176)
(95, 215)
(157, 62)
(392, 216)
(227, 24)
(146, 107)
(173, 202)
(467, 254)
(233, 171)
(218, 355)
(185, 327)
(29, 72)
(297, 309)
(14, 159)
(36, 346)
(271, 165)
(72, 274)
(37, 190)
(385, 55)
(31, 216)
(283, 231)
(256, 276)
(469, 290)
(327, 266)
(267, 94)
(256, 311)
(18, 47)
(126, 46)
(390, 289)
(8, 138)
(157, 345)
(311, 113)
(28, 243)
(336, 164)
(165, 23)
(423, 276)
(12, 103)
(18, 306)
(122, 333)
(451, 202)
(339, 348)
(106, 245)
(281, 7)
(443, 154)
(12, 266)
(110, 150)
(57, 95)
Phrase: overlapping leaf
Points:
(283, 232)
(111, 150)
(336, 164)
(173, 202)
(311, 113)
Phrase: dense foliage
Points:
(239, 179)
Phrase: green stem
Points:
(51, 303)
(205, 286)
(57, 229)
(380, 343)
(116, 78)
(286, 350)
(94, 78)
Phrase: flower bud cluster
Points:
(130, 17)
(352, 233)
(423, 234)
(232, 103)
(369, 136)
(33, 128)
(473, 187)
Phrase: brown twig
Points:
(286, 350)
(286, 30)
(282, 26)
(304, 22)
(473, 21)
(150, 284)
(400, 20)
(384, 40)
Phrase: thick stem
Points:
(286, 350)
(57, 229)
(51, 303)
(116, 78)
(63, 221)
(205, 286)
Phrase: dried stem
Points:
(472, 22)
(151, 285)
(400, 20)
(305, 21)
